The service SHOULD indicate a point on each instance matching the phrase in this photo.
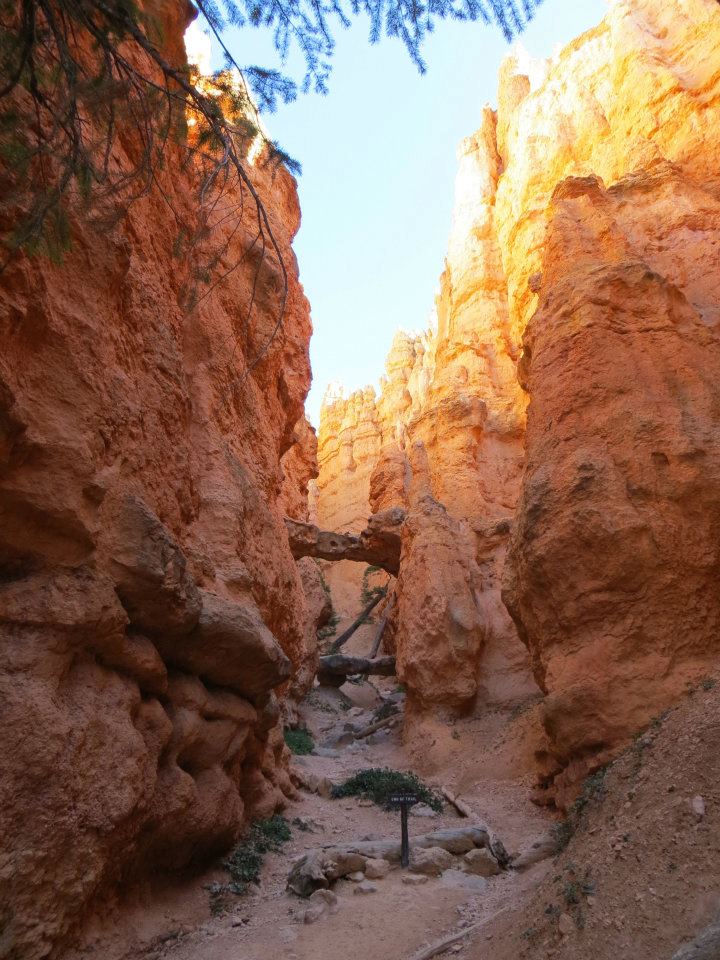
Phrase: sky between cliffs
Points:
(378, 156)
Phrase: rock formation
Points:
(149, 602)
(581, 276)
(378, 544)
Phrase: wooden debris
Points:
(381, 627)
(365, 613)
(378, 725)
(462, 808)
(442, 945)
(338, 666)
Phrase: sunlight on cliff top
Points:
(198, 49)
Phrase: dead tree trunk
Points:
(381, 628)
(345, 636)
(334, 669)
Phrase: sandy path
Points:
(475, 755)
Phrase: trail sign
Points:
(404, 801)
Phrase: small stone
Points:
(365, 803)
(365, 887)
(463, 880)
(357, 877)
(414, 879)
(566, 924)
(376, 869)
(325, 900)
(697, 805)
(324, 787)
(456, 948)
(481, 862)
(422, 810)
(312, 914)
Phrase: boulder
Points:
(431, 860)
(376, 869)
(150, 571)
(231, 646)
(481, 862)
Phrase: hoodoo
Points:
(564, 405)
(486, 591)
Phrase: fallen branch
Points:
(378, 725)
(462, 808)
(441, 946)
(381, 628)
(345, 636)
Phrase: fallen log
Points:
(462, 808)
(381, 628)
(323, 865)
(365, 613)
(336, 667)
(378, 725)
(440, 946)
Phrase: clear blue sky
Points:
(378, 156)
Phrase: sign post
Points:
(404, 801)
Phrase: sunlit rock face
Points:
(581, 278)
(150, 609)
(613, 566)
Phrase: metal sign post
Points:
(404, 801)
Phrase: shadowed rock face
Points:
(149, 602)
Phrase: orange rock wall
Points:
(149, 603)
(581, 276)
(613, 563)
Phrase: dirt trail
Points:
(486, 758)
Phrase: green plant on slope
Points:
(299, 741)
(593, 791)
(379, 783)
(246, 860)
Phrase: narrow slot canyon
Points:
(490, 582)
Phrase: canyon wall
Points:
(581, 277)
(150, 608)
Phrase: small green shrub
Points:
(368, 593)
(593, 790)
(246, 860)
(300, 742)
(379, 783)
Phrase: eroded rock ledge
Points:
(378, 544)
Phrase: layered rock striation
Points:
(150, 608)
(581, 278)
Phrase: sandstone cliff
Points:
(149, 602)
(581, 276)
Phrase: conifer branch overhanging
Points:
(80, 77)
